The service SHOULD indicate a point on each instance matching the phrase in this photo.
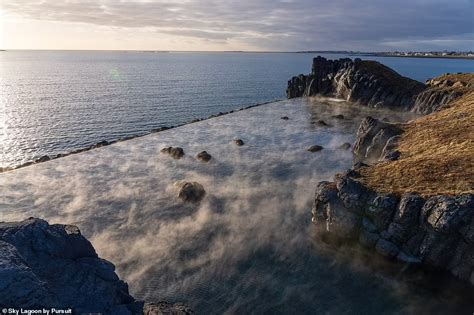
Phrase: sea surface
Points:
(54, 102)
(249, 246)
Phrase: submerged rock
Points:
(285, 118)
(203, 156)
(190, 191)
(315, 148)
(322, 123)
(175, 153)
(239, 142)
(339, 116)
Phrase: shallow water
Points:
(249, 246)
(53, 102)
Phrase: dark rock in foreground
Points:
(54, 266)
(175, 153)
(203, 156)
(191, 191)
(44, 265)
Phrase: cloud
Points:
(269, 24)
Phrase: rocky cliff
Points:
(54, 266)
(414, 201)
(373, 84)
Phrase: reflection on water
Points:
(247, 247)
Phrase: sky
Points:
(250, 25)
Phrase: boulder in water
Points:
(315, 148)
(203, 156)
(175, 153)
(190, 191)
(239, 142)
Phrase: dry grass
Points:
(437, 154)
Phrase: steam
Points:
(249, 240)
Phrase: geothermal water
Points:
(248, 246)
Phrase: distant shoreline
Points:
(351, 53)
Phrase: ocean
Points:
(58, 101)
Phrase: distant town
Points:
(429, 54)
(416, 54)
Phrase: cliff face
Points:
(373, 84)
(415, 202)
(46, 266)
(365, 82)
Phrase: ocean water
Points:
(54, 102)
(249, 246)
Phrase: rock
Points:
(437, 233)
(101, 144)
(392, 156)
(339, 116)
(44, 158)
(239, 142)
(345, 146)
(285, 118)
(165, 308)
(32, 253)
(330, 213)
(315, 148)
(175, 153)
(386, 248)
(361, 81)
(322, 123)
(191, 191)
(372, 138)
(368, 239)
(203, 156)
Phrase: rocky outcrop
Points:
(376, 141)
(373, 84)
(440, 91)
(365, 82)
(54, 266)
(44, 265)
(436, 232)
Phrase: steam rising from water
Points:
(247, 247)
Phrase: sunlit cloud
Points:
(268, 24)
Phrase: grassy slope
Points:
(437, 154)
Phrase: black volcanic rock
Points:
(366, 82)
(44, 265)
